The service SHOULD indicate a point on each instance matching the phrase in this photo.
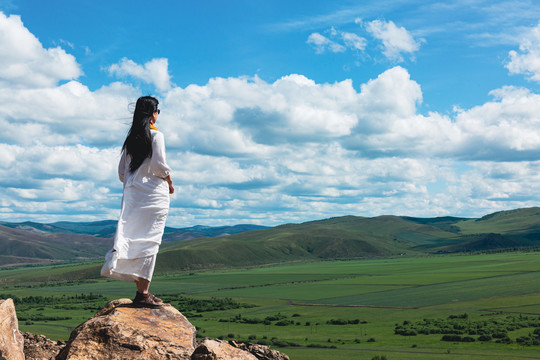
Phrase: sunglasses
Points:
(158, 111)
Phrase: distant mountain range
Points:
(21, 246)
(243, 245)
(107, 228)
(32, 243)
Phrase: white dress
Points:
(145, 205)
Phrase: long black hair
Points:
(138, 144)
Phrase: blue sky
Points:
(273, 112)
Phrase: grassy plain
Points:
(379, 293)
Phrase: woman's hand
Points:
(169, 181)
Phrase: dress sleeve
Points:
(158, 164)
(122, 166)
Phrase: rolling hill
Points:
(35, 243)
(104, 228)
(107, 228)
(335, 238)
(30, 247)
(357, 237)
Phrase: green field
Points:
(305, 298)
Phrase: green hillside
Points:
(28, 247)
(520, 221)
(352, 237)
(348, 237)
(336, 238)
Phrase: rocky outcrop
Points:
(38, 347)
(261, 352)
(220, 350)
(11, 340)
(121, 331)
(211, 349)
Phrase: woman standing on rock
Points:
(145, 203)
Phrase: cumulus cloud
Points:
(527, 61)
(504, 129)
(155, 71)
(244, 149)
(68, 114)
(395, 40)
(25, 63)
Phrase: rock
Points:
(261, 352)
(11, 340)
(211, 349)
(38, 347)
(121, 331)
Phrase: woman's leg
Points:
(142, 285)
(143, 297)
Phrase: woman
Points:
(145, 204)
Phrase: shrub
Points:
(280, 343)
(285, 323)
(525, 340)
(462, 316)
(321, 346)
(484, 338)
(505, 340)
(406, 332)
(454, 338)
(342, 322)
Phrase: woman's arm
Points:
(169, 181)
(122, 166)
(158, 162)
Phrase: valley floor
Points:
(400, 308)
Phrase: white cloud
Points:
(155, 71)
(337, 42)
(322, 44)
(503, 129)
(353, 41)
(291, 149)
(395, 40)
(66, 114)
(244, 149)
(527, 62)
(25, 63)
